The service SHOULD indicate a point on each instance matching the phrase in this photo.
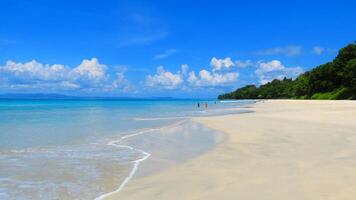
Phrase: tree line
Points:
(332, 80)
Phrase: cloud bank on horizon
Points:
(91, 75)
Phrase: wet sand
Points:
(166, 147)
(286, 149)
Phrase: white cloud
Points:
(33, 70)
(91, 75)
(32, 74)
(218, 64)
(165, 54)
(90, 70)
(291, 50)
(207, 78)
(164, 79)
(273, 65)
(318, 50)
(192, 78)
(185, 79)
(267, 71)
(243, 64)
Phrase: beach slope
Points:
(286, 149)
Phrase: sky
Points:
(193, 49)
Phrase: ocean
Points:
(87, 149)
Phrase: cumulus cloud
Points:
(318, 50)
(32, 74)
(33, 71)
(290, 50)
(90, 70)
(267, 71)
(165, 54)
(274, 65)
(206, 78)
(164, 79)
(92, 75)
(192, 78)
(216, 77)
(219, 64)
(186, 79)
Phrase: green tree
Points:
(333, 80)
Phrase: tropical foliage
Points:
(333, 80)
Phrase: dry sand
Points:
(285, 150)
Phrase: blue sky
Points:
(164, 48)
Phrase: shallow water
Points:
(81, 149)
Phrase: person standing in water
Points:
(206, 105)
(198, 105)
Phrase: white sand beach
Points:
(285, 150)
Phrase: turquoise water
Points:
(65, 149)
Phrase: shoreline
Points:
(155, 160)
(137, 162)
(286, 149)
